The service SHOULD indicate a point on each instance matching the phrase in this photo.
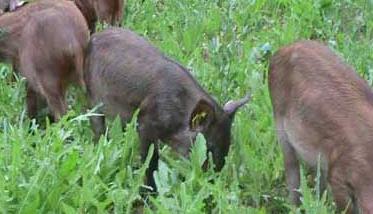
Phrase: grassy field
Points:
(55, 168)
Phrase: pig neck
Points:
(88, 11)
(198, 90)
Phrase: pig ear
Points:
(231, 106)
(202, 116)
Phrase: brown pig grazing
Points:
(124, 72)
(324, 111)
(110, 11)
(45, 41)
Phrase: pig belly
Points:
(305, 142)
(116, 107)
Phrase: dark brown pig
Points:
(125, 72)
(324, 111)
(110, 11)
(46, 41)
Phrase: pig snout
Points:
(218, 160)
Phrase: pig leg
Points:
(97, 122)
(292, 172)
(57, 106)
(31, 100)
(148, 136)
(366, 200)
(153, 164)
(291, 165)
(341, 195)
(54, 94)
(98, 126)
(48, 84)
(34, 102)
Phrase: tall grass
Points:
(56, 168)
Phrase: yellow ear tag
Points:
(198, 118)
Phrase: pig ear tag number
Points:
(198, 119)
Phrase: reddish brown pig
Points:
(45, 41)
(124, 72)
(324, 111)
(110, 11)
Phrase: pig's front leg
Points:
(153, 164)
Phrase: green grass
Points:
(226, 44)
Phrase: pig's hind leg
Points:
(57, 104)
(49, 84)
(97, 121)
(292, 168)
(54, 93)
(342, 195)
(153, 164)
(32, 102)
